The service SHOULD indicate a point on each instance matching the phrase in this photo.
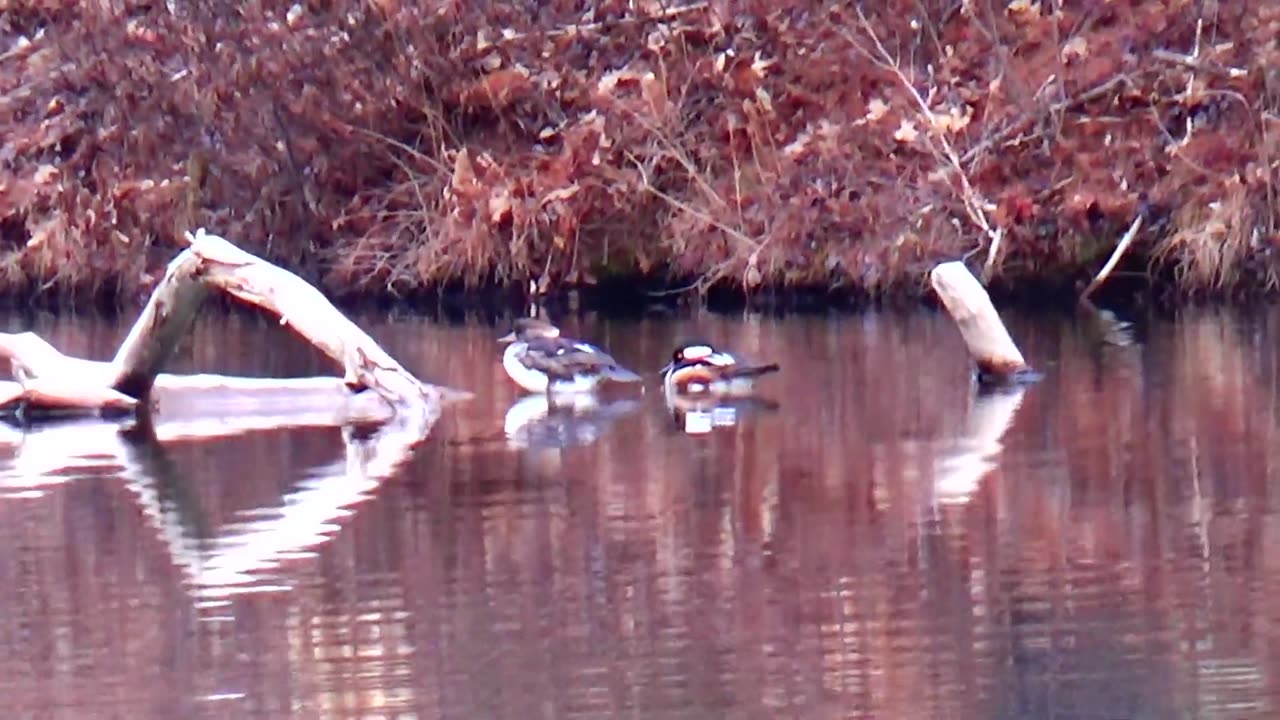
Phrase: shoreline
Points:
(1126, 291)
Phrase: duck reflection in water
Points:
(706, 388)
(561, 421)
(701, 415)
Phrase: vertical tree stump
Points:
(985, 336)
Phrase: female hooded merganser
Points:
(541, 361)
(701, 368)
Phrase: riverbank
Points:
(384, 151)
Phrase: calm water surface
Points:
(869, 540)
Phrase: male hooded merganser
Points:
(701, 368)
(542, 361)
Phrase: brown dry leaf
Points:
(906, 132)
(499, 89)
(953, 120)
(611, 80)
(762, 97)
(876, 109)
(1075, 48)
(655, 93)
(499, 205)
(464, 174)
(46, 174)
(1023, 7)
(563, 193)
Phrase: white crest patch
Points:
(722, 359)
(696, 352)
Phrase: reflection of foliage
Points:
(388, 147)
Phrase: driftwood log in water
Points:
(45, 380)
(988, 341)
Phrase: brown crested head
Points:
(529, 328)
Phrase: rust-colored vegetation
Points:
(386, 147)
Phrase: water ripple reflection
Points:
(869, 540)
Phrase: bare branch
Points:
(1116, 254)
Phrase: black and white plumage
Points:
(701, 369)
(541, 361)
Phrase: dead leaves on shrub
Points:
(736, 141)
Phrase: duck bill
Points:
(508, 338)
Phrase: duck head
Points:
(526, 329)
(687, 354)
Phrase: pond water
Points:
(869, 540)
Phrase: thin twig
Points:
(1089, 95)
(582, 28)
(676, 203)
(1121, 248)
(1197, 64)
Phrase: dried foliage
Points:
(389, 147)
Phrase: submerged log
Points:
(47, 380)
(988, 341)
(196, 405)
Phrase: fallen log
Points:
(988, 341)
(30, 356)
(197, 406)
(46, 381)
(308, 313)
(155, 336)
(45, 378)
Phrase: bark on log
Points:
(45, 378)
(192, 406)
(30, 356)
(158, 331)
(988, 341)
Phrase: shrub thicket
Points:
(385, 146)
